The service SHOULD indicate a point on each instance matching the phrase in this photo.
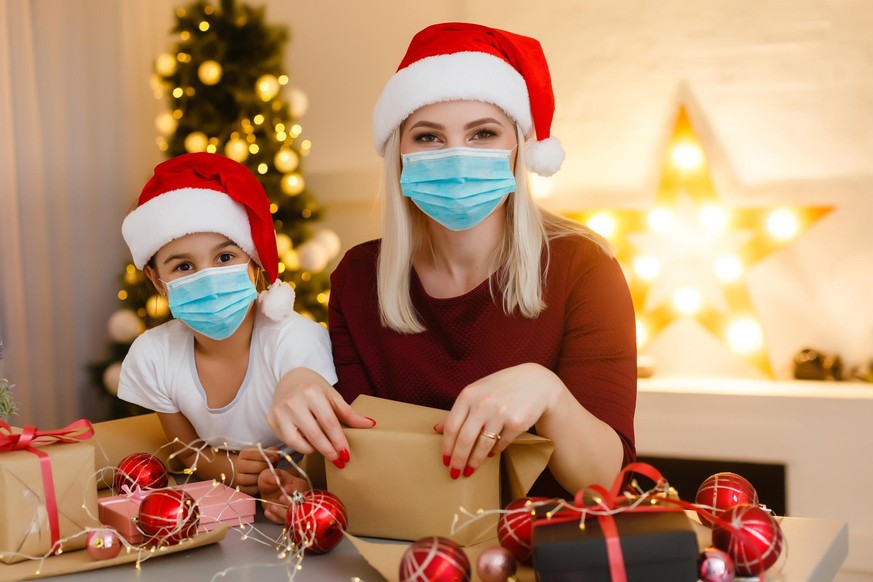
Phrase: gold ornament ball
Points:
(196, 141)
(237, 150)
(299, 102)
(267, 87)
(292, 184)
(286, 160)
(157, 306)
(283, 243)
(209, 72)
(166, 124)
(165, 64)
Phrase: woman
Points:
(475, 300)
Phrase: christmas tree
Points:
(227, 93)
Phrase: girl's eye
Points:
(183, 267)
(225, 257)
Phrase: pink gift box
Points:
(217, 503)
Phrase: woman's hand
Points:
(491, 412)
(308, 414)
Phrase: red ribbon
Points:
(608, 504)
(30, 437)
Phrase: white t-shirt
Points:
(159, 373)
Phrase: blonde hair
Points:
(522, 252)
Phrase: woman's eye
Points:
(484, 134)
(426, 138)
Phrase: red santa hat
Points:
(460, 61)
(203, 192)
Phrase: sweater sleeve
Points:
(598, 357)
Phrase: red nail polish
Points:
(446, 460)
(468, 470)
(372, 420)
(339, 463)
(490, 453)
(455, 473)
(344, 455)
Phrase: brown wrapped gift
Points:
(115, 439)
(396, 486)
(24, 521)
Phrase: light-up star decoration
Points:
(687, 255)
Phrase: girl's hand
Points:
(275, 487)
(491, 412)
(249, 464)
(308, 414)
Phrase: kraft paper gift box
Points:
(216, 502)
(24, 522)
(115, 439)
(396, 486)
(655, 546)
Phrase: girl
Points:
(203, 234)
(475, 300)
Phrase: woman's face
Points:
(450, 124)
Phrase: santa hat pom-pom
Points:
(544, 157)
(277, 302)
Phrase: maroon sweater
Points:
(586, 335)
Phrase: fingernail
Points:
(339, 463)
(344, 455)
(446, 460)
(490, 453)
(455, 473)
(371, 420)
(468, 470)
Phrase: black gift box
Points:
(657, 546)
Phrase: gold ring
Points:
(489, 435)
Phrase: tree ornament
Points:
(112, 377)
(723, 490)
(103, 544)
(514, 528)
(209, 72)
(495, 565)
(196, 141)
(292, 184)
(267, 87)
(165, 64)
(286, 160)
(434, 559)
(236, 149)
(752, 538)
(315, 521)
(124, 325)
(299, 102)
(313, 256)
(168, 516)
(330, 240)
(139, 470)
(283, 243)
(166, 124)
(714, 565)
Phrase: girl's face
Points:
(449, 124)
(195, 252)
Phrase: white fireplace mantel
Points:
(821, 431)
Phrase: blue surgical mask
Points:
(457, 187)
(213, 301)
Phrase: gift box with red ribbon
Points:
(607, 536)
(217, 503)
(48, 490)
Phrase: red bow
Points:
(27, 439)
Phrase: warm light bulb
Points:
(209, 72)
(267, 87)
(283, 243)
(782, 224)
(603, 223)
(165, 123)
(688, 300)
(196, 141)
(236, 149)
(647, 268)
(642, 333)
(660, 219)
(745, 336)
(286, 160)
(686, 156)
(728, 268)
(713, 218)
(165, 64)
(292, 184)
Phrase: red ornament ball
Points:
(751, 536)
(495, 565)
(316, 520)
(723, 490)
(514, 528)
(140, 470)
(434, 559)
(103, 544)
(714, 565)
(168, 516)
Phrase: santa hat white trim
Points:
(450, 77)
(177, 213)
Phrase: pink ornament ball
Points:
(103, 544)
(140, 470)
(495, 564)
(316, 521)
(723, 490)
(434, 559)
(751, 537)
(514, 528)
(714, 565)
